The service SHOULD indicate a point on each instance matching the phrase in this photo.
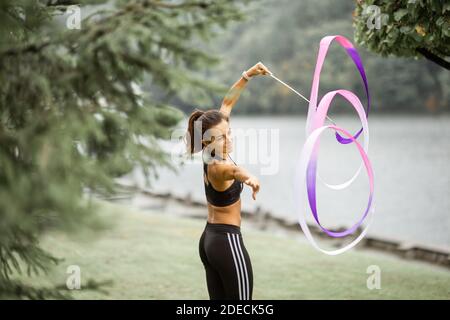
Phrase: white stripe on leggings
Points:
(245, 268)
(244, 297)
(236, 266)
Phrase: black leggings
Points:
(227, 264)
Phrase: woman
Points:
(227, 264)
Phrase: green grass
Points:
(149, 256)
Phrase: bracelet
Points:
(245, 75)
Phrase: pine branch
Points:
(31, 48)
(70, 99)
(202, 5)
(18, 20)
(55, 3)
(36, 47)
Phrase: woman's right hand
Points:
(253, 182)
(258, 69)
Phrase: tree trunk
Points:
(434, 58)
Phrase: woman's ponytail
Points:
(194, 133)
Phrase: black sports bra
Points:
(222, 198)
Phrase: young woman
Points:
(229, 273)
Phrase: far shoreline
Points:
(188, 207)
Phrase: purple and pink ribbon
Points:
(306, 171)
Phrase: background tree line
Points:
(285, 36)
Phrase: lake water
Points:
(410, 156)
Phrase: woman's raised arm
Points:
(233, 94)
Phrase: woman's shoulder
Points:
(217, 167)
(219, 163)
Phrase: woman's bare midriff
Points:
(229, 215)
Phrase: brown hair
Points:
(194, 133)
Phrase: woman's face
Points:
(222, 141)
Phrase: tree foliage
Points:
(285, 36)
(73, 114)
(408, 28)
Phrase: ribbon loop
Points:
(306, 169)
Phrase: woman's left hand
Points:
(253, 182)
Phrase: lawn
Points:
(153, 256)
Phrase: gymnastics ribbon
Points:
(306, 169)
